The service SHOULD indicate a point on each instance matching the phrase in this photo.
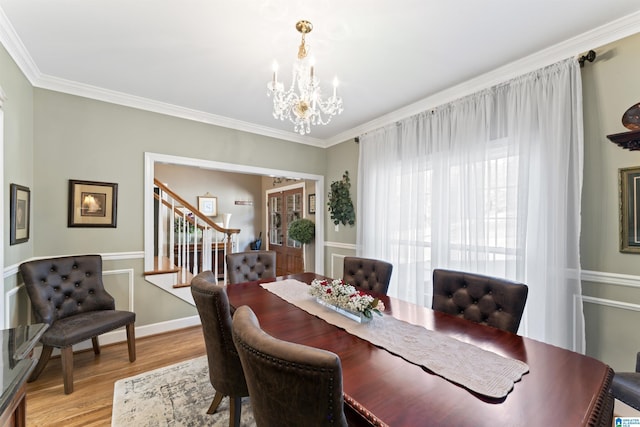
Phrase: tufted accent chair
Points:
(367, 274)
(225, 370)
(289, 384)
(250, 266)
(626, 386)
(67, 293)
(482, 299)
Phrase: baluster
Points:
(195, 245)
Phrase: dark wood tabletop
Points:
(561, 388)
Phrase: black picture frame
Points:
(20, 214)
(92, 204)
(312, 203)
(629, 184)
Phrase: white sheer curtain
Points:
(490, 184)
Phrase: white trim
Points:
(597, 37)
(611, 303)
(114, 256)
(340, 245)
(130, 287)
(615, 279)
(608, 33)
(151, 158)
(333, 264)
(120, 335)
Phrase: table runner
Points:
(476, 369)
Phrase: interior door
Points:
(285, 207)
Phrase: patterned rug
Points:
(176, 395)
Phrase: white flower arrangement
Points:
(347, 297)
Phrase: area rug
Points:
(176, 395)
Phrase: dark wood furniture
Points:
(17, 346)
(629, 140)
(561, 388)
(217, 250)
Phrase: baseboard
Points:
(120, 335)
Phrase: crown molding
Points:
(592, 39)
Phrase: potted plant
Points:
(340, 204)
(302, 230)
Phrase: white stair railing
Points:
(189, 240)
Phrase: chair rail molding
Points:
(340, 245)
(609, 278)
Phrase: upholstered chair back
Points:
(481, 299)
(367, 274)
(250, 266)
(65, 286)
(289, 384)
(67, 293)
(626, 386)
(225, 370)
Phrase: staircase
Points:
(186, 243)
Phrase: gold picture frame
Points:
(20, 214)
(92, 204)
(629, 184)
(208, 205)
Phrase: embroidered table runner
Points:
(479, 370)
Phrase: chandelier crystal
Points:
(302, 103)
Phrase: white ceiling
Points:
(210, 60)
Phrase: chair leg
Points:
(216, 402)
(131, 341)
(42, 362)
(96, 345)
(235, 407)
(67, 368)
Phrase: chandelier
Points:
(302, 103)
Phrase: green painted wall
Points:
(340, 158)
(18, 146)
(610, 87)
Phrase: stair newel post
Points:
(228, 248)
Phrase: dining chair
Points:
(367, 274)
(289, 384)
(68, 294)
(626, 386)
(250, 266)
(481, 299)
(225, 369)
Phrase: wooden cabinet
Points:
(217, 251)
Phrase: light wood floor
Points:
(94, 377)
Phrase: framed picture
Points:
(312, 203)
(630, 209)
(208, 205)
(92, 204)
(20, 208)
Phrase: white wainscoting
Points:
(111, 337)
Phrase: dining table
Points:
(383, 388)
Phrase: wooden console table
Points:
(16, 364)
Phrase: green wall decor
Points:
(340, 204)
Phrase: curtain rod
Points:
(590, 56)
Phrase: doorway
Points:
(285, 207)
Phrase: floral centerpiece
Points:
(339, 294)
